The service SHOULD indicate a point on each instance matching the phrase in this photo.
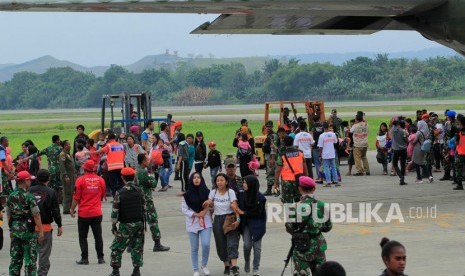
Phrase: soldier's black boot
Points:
(158, 247)
(136, 271)
(115, 272)
(83, 261)
(459, 185)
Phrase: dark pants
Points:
(115, 181)
(184, 175)
(437, 150)
(308, 162)
(198, 167)
(244, 165)
(227, 245)
(423, 167)
(402, 156)
(83, 228)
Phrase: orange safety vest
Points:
(115, 156)
(297, 162)
(460, 147)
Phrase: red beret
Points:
(307, 182)
(127, 171)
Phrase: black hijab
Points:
(251, 195)
(196, 195)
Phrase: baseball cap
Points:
(425, 116)
(128, 171)
(269, 124)
(89, 165)
(24, 175)
(229, 161)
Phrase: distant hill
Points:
(168, 61)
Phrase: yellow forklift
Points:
(288, 111)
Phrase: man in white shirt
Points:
(326, 143)
(303, 141)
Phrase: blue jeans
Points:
(213, 173)
(248, 245)
(316, 162)
(165, 175)
(330, 170)
(205, 241)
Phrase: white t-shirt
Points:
(304, 141)
(327, 141)
(222, 203)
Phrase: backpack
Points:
(156, 157)
(426, 145)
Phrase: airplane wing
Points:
(258, 16)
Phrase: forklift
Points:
(126, 110)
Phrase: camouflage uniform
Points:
(147, 183)
(52, 152)
(306, 263)
(448, 161)
(6, 188)
(128, 234)
(22, 207)
(270, 170)
(67, 169)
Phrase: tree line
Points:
(379, 78)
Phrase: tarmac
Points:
(432, 231)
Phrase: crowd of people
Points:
(128, 167)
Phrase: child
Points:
(81, 156)
(165, 169)
(413, 133)
(101, 140)
(243, 145)
(214, 161)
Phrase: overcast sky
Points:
(101, 39)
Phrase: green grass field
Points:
(220, 132)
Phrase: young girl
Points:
(253, 221)
(224, 204)
(382, 140)
(394, 257)
(200, 152)
(213, 161)
(413, 133)
(165, 169)
(198, 221)
(245, 154)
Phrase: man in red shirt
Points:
(89, 191)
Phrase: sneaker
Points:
(368, 173)
(256, 273)
(327, 185)
(196, 273)
(337, 184)
(226, 270)
(458, 187)
(358, 174)
(160, 248)
(419, 181)
(205, 270)
(235, 271)
(430, 179)
(101, 260)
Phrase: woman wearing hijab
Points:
(418, 156)
(253, 221)
(198, 221)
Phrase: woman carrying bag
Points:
(225, 223)
(253, 222)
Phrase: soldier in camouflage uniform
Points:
(234, 181)
(5, 172)
(147, 183)
(308, 241)
(129, 211)
(23, 215)
(270, 158)
(449, 132)
(52, 152)
(67, 175)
